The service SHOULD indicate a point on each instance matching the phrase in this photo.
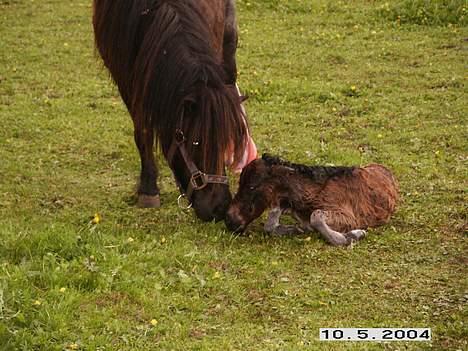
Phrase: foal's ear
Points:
(268, 168)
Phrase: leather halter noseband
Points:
(198, 179)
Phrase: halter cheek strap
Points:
(198, 179)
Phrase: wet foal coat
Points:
(338, 202)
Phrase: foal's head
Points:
(258, 186)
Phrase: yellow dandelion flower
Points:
(73, 346)
(163, 240)
(96, 218)
(154, 322)
(37, 303)
(353, 88)
(216, 275)
(130, 240)
(62, 290)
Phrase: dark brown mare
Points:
(174, 64)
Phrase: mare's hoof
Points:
(148, 201)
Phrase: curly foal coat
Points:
(338, 202)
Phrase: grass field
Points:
(336, 82)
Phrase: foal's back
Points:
(367, 197)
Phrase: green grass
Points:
(329, 82)
(427, 12)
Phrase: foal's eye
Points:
(252, 188)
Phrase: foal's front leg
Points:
(318, 221)
(273, 226)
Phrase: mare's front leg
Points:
(273, 226)
(318, 221)
(230, 43)
(148, 192)
(230, 40)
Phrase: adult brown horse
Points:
(174, 64)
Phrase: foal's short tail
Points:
(386, 180)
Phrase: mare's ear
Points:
(190, 105)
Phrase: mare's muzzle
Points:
(206, 207)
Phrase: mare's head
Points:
(211, 135)
(257, 188)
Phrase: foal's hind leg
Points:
(318, 221)
(148, 192)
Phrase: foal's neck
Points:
(287, 185)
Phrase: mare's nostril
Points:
(228, 223)
(219, 213)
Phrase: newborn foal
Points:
(338, 202)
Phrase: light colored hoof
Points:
(358, 234)
(355, 235)
(318, 217)
(148, 201)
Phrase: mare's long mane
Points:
(318, 174)
(170, 76)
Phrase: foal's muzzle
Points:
(234, 227)
(234, 222)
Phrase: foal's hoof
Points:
(318, 217)
(356, 234)
(148, 201)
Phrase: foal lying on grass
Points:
(338, 202)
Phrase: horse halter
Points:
(198, 179)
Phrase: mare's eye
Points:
(251, 207)
(252, 188)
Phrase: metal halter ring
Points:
(181, 198)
